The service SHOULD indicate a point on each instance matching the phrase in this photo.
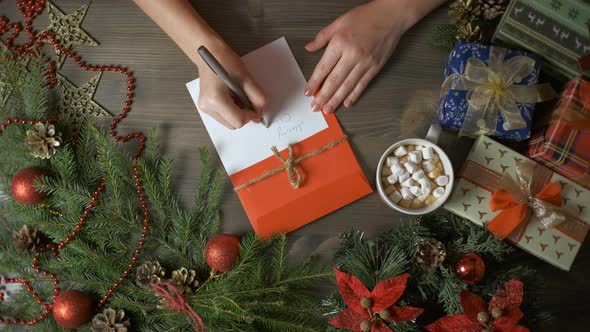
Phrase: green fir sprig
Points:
(263, 292)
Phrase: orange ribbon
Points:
(518, 204)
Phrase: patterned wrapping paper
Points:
(453, 106)
(474, 186)
(555, 29)
(561, 147)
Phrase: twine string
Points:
(290, 165)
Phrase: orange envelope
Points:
(330, 180)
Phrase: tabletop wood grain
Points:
(127, 37)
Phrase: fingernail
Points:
(327, 109)
(346, 104)
(315, 107)
(308, 92)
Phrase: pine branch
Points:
(444, 37)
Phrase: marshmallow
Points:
(427, 153)
(415, 157)
(390, 161)
(400, 151)
(438, 192)
(426, 187)
(411, 167)
(416, 203)
(430, 200)
(403, 177)
(386, 171)
(415, 190)
(408, 183)
(407, 194)
(419, 174)
(392, 179)
(428, 165)
(397, 170)
(442, 180)
(395, 197)
(411, 148)
(419, 147)
(424, 197)
(405, 203)
(389, 190)
(434, 173)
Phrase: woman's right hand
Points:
(215, 98)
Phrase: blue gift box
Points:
(453, 106)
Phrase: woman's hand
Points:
(358, 43)
(215, 98)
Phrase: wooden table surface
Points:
(127, 37)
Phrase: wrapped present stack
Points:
(550, 222)
(565, 145)
(490, 90)
(557, 30)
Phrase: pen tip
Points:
(264, 122)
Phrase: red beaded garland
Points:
(30, 9)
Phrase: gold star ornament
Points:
(77, 102)
(66, 29)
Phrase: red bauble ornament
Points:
(470, 268)
(222, 251)
(23, 188)
(72, 309)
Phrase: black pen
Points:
(235, 89)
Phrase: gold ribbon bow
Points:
(518, 199)
(492, 89)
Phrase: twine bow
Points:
(518, 202)
(290, 164)
(176, 302)
(493, 90)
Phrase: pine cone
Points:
(493, 8)
(430, 254)
(470, 33)
(148, 273)
(185, 280)
(465, 11)
(26, 239)
(110, 321)
(42, 141)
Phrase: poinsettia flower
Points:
(370, 310)
(501, 315)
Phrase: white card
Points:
(288, 109)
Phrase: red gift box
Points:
(565, 145)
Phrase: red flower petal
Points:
(399, 314)
(352, 290)
(519, 328)
(380, 326)
(387, 292)
(348, 320)
(455, 323)
(510, 296)
(472, 305)
(509, 320)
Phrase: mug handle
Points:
(433, 133)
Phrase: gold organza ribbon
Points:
(492, 90)
(517, 201)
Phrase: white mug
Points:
(430, 140)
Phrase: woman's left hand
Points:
(358, 43)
